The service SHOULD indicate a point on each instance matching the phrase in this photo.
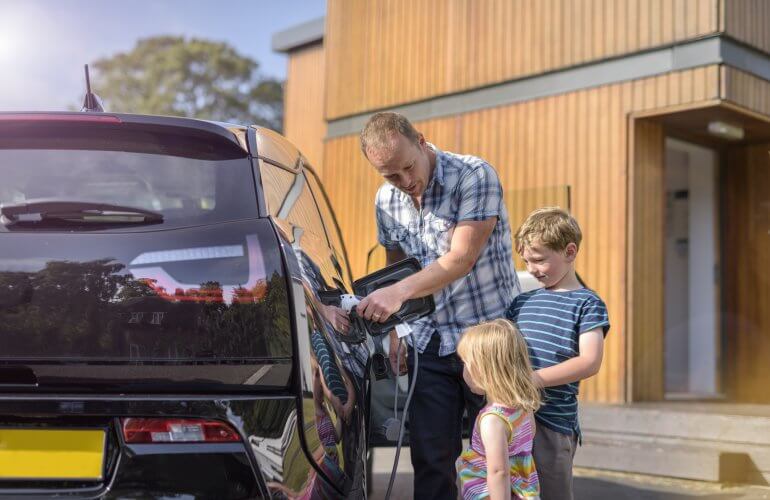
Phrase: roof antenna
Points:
(92, 101)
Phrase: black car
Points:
(168, 294)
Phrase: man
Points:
(446, 210)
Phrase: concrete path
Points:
(590, 484)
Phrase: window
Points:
(330, 222)
(187, 191)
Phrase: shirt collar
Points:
(438, 172)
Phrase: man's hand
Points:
(397, 355)
(381, 304)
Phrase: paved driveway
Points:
(589, 484)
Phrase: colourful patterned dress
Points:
(472, 464)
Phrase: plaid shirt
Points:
(462, 188)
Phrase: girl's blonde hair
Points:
(498, 362)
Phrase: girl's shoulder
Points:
(512, 416)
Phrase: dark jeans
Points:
(435, 421)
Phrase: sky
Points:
(45, 43)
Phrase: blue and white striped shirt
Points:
(551, 323)
(462, 188)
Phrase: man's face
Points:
(402, 163)
(546, 265)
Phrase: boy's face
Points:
(548, 266)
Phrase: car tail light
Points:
(176, 430)
(46, 117)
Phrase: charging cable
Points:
(404, 413)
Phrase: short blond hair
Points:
(380, 128)
(553, 227)
(498, 362)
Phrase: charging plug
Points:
(391, 428)
(348, 302)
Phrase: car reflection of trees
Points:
(95, 309)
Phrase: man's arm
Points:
(468, 241)
(582, 366)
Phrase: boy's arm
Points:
(582, 366)
(494, 435)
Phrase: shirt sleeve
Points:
(480, 193)
(383, 230)
(594, 315)
(510, 312)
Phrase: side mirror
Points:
(411, 310)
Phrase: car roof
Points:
(270, 145)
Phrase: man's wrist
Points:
(403, 290)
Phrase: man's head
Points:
(398, 152)
(548, 242)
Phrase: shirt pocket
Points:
(401, 236)
(439, 233)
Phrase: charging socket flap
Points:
(411, 310)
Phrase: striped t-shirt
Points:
(551, 323)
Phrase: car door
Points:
(332, 374)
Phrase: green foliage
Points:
(169, 75)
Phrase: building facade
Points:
(648, 119)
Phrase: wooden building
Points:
(648, 119)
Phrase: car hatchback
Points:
(166, 327)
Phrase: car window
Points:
(330, 223)
(186, 191)
(288, 197)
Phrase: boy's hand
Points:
(397, 354)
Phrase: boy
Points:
(564, 325)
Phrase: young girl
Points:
(498, 464)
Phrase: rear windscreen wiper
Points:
(42, 209)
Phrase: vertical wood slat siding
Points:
(746, 240)
(577, 139)
(390, 52)
(304, 124)
(645, 262)
(747, 21)
(746, 90)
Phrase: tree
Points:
(168, 75)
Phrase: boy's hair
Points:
(380, 128)
(550, 226)
(498, 360)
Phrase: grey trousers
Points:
(553, 453)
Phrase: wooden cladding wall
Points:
(304, 123)
(645, 262)
(747, 21)
(745, 90)
(746, 278)
(577, 139)
(388, 52)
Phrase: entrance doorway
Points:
(691, 272)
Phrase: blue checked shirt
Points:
(462, 188)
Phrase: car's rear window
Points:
(186, 191)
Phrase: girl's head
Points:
(497, 364)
